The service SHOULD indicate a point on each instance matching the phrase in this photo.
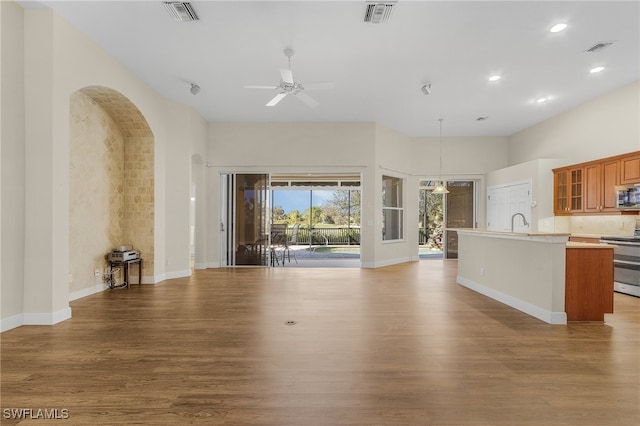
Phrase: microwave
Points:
(628, 197)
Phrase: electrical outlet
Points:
(97, 273)
(482, 271)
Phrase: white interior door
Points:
(503, 201)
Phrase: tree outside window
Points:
(392, 209)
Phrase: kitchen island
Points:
(528, 271)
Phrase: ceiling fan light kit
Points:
(288, 86)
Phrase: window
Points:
(392, 209)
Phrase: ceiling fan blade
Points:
(311, 103)
(261, 87)
(319, 85)
(287, 75)
(277, 98)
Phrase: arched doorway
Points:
(111, 190)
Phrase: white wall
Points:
(391, 158)
(541, 176)
(460, 155)
(12, 161)
(462, 158)
(59, 61)
(190, 131)
(288, 148)
(606, 126)
(366, 148)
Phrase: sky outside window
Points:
(291, 200)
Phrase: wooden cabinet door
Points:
(576, 189)
(630, 170)
(610, 179)
(593, 188)
(561, 192)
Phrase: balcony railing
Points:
(351, 236)
(327, 236)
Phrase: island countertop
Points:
(549, 237)
(531, 271)
(575, 244)
(553, 237)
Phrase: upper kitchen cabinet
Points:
(600, 181)
(568, 190)
(610, 179)
(630, 170)
(590, 188)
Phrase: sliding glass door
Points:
(460, 213)
(440, 214)
(430, 221)
(245, 220)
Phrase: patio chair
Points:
(278, 242)
(293, 240)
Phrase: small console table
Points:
(125, 264)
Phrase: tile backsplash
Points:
(596, 225)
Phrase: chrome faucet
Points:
(524, 220)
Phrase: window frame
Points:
(395, 211)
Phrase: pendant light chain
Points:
(440, 188)
(440, 174)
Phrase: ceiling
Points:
(377, 69)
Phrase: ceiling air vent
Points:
(181, 11)
(377, 13)
(599, 46)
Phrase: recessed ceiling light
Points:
(541, 100)
(495, 77)
(596, 70)
(558, 27)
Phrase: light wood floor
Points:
(401, 345)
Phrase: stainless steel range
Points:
(626, 263)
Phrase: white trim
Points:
(213, 265)
(79, 294)
(200, 266)
(151, 279)
(177, 274)
(11, 322)
(387, 262)
(48, 318)
(526, 307)
(146, 279)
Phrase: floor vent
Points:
(377, 13)
(180, 11)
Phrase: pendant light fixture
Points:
(440, 188)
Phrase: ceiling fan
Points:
(288, 86)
